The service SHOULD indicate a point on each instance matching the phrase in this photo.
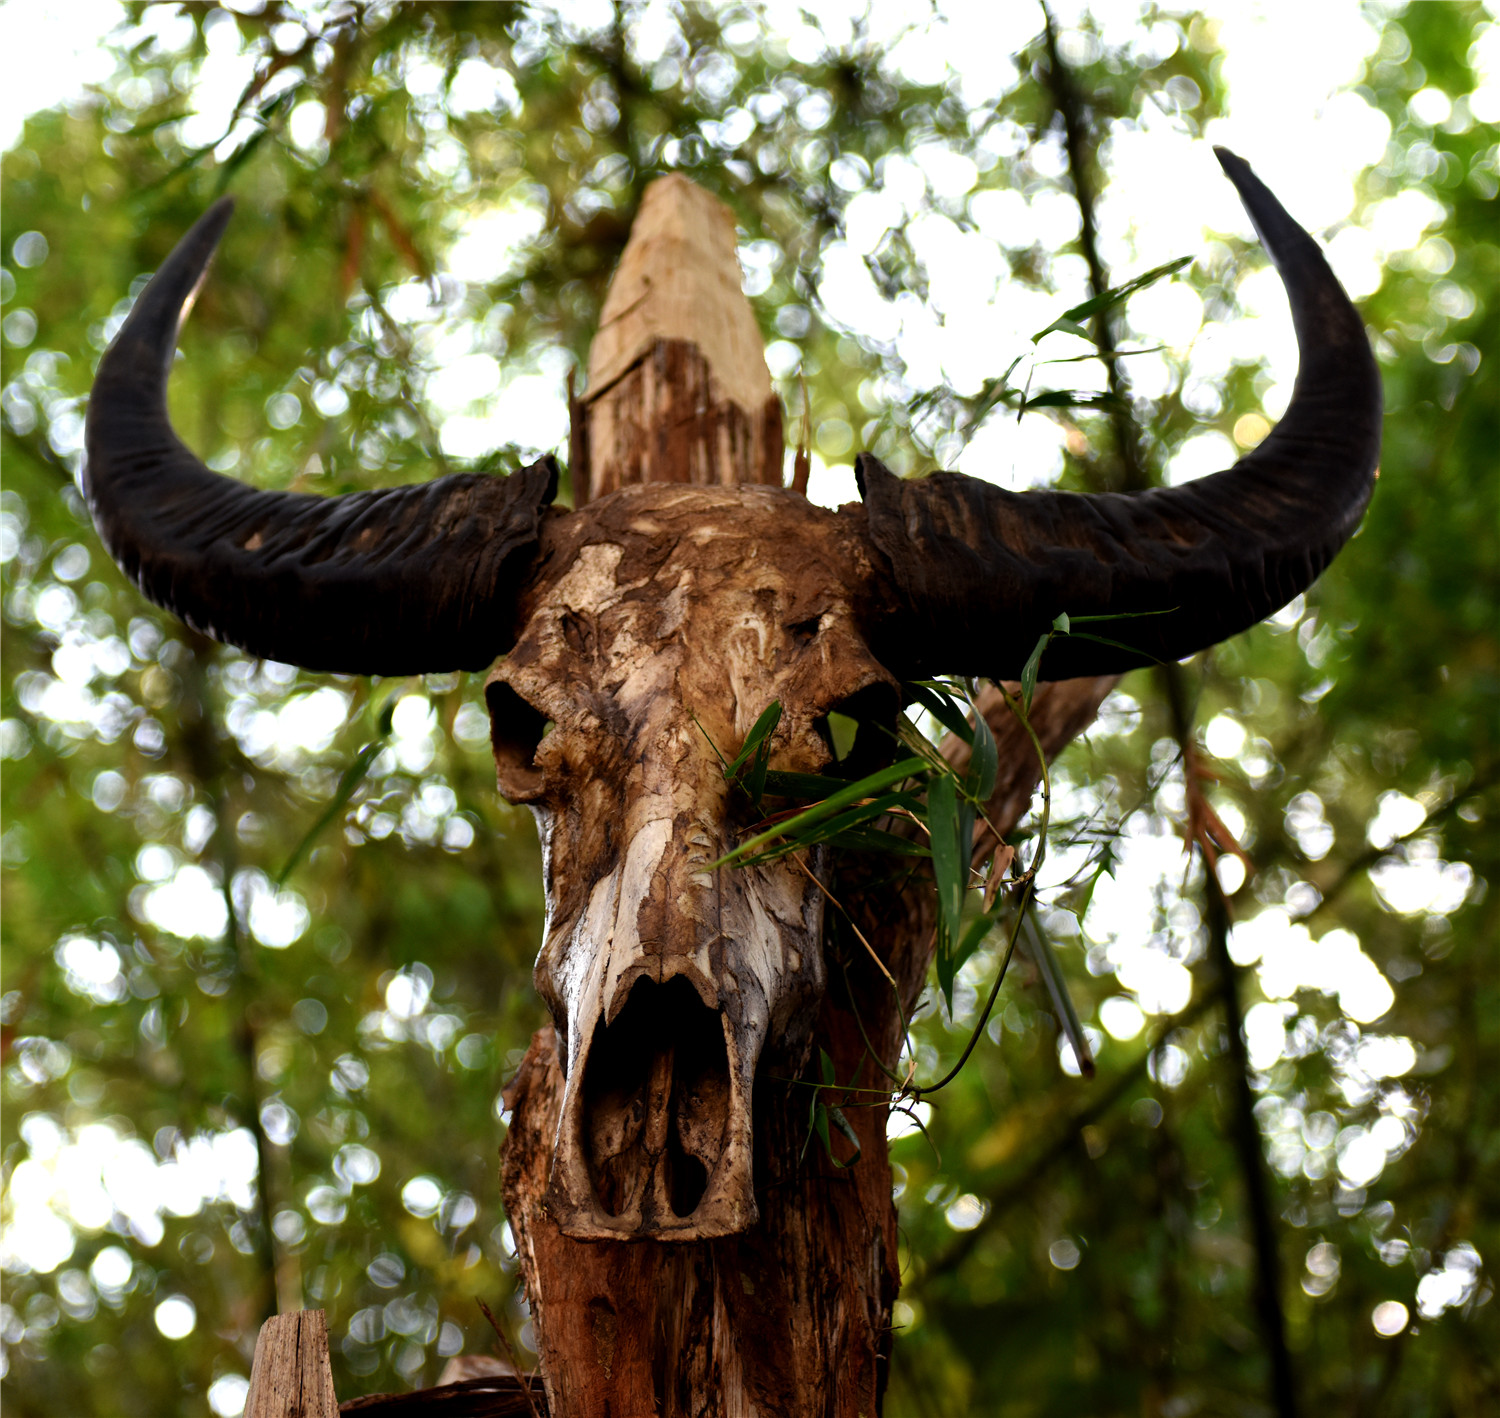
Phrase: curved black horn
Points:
(984, 572)
(392, 582)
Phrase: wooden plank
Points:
(291, 1377)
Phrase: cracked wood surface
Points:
(791, 1317)
(678, 389)
(653, 604)
(291, 1376)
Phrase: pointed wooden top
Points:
(679, 279)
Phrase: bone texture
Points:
(664, 620)
(682, 1250)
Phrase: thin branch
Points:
(1244, 1128)
(1061, 1145)
(1077, 124)
(1072, 109)
(510, 1354)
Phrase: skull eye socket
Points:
(804, 631)
(516, 732)
(860, 731)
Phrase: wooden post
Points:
(291, 1377)
(678, 389)
(792, 1317)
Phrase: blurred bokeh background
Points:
(224, 1090)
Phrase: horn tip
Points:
(212, 223)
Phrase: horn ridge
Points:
(982, 572)
(396, 581)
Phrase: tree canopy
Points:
(267, 934)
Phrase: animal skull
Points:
(651, 628)
(675, 616)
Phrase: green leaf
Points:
(866, 787)
(1061, 622)
(950, 823)
(761, 730)
(1062, 1001)
(944, 708)
(852, 819)
(1069, 319)
(825, 1064)
(984, 764)
(1066, 327)
(755, 779)
(1120, 615)
(875, 839)
(812, 786)
(991, 393)
(820, 1125)
(1075, 399)
(1030, 669)
(943, 825)
(843, 1125)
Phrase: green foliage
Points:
(228, 1083)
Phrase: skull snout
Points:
(655, 1134)
(656, 1101)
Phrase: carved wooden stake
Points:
(792, 1317)
(291, 1377)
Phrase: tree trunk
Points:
(792, 1317)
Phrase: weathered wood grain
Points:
(678, 389)
(291, 1377)
(656, 616)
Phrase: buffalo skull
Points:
(651, 627)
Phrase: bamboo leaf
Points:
(1120, 615)
(874, 839)
(943, 824)
(1105, 300)
(950, 870)
(813, 786)
(1062, 1001)
(984, 765)
(1075, 399)
(761, 730)
(1067, 327)
(1030, 669)
(993, 392)
(755, 779)
(944, 708)
(851, 820)
(820, 1126)
(843, 1125)
(845, 797)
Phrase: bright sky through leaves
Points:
(93, 1209)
